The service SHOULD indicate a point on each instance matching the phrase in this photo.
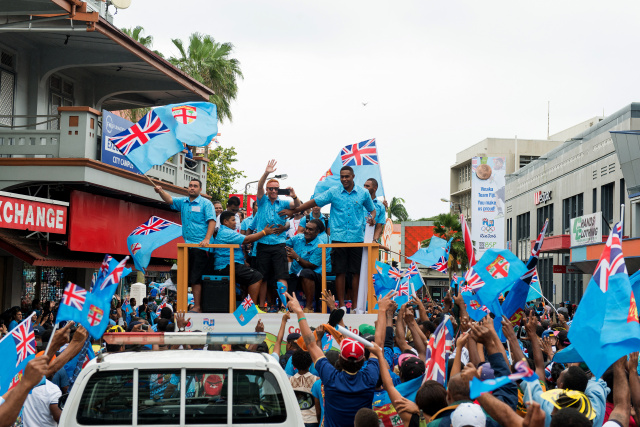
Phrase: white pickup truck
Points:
(183, 387)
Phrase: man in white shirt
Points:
(41, 407)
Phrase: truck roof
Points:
(201, 359)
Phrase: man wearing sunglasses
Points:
(271, 255)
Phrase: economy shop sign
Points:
(109, 154)
(487, 203)
(586, 229)
(32, 213)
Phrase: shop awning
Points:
(38, 254)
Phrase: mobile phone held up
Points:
(284, 192)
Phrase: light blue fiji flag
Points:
(475, 310)
(161, 133)
(148, 237)
(385, 279)
(606, 325)
(523, 372)
(282, 288)
(407, 389)
(91, 309)
(246, 311)
(403, 291)
(17, 348)
(363, 158)
(432, 254)
(499, 270)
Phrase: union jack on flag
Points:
(395, 273)
(438, 352)
(473, 280)
(466, 288)
(611, 261)
(154, 224)
(114, 276)
(104, 267)
(361, 154)
(441, 265)
(247, 303)
(140, 133)
(454, 276)
(403, 289)
(25, 340)
(477, 306)
(413, 270)
(74, 296)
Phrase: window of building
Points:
(7, 87)
(523, 234)
(606, 202)
(595, 201)
(545, 212)
(572, 207)
(571, 285)
(545, 276)
(60, 95)
(525, 160)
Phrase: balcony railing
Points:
(80, 136)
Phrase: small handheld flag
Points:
(523, 372)
(282, 288)
(17, 348)
(246, 311)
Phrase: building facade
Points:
(59, 76)
(579, 177)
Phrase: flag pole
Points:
(55, 327)
(151, 182)
(384, 197)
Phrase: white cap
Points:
(468, 414)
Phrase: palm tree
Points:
(397, 210)
(210, 63)
(146, 41)
(447, 226)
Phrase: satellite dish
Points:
(121, 4)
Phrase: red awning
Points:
(54, 255)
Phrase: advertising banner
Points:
(487, 203)
(109, 154)
(20, 212)
(586, 229)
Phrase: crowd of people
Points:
(386, 384)
(279, 241)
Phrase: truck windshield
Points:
(107, 399)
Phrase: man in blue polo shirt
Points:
(198, 222)
(306, 268)
(316, 214)
(371, 185)
(245, 276)
(347, 226)
(271, 256)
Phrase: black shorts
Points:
(295, 281)
(199, 262)
(345, 260)
(245, 276)
(272, 262)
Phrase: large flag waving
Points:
(434, 256)
(91, 309)
(499, 270)
(150, 236)
(162, 132)
(606, 325)
(363, 158)
(17, 348)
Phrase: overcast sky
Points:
(437, 76)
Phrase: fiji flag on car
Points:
(246, 311)
(363, 158)
(91, 309)
(162, 132)
(148, 237)
(17, 348)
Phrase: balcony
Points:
(75, 134)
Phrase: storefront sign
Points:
(113, 125)
(32, 213)
(586, 229)
(541, 197)
(487, 203)
(566, 269)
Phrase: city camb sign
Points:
(20, 212)
(586, 229)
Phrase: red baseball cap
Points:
(351, 348)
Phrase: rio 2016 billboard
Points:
(487, 203)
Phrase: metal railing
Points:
(183, 272)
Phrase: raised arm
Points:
(418, 337)
(401, 338)
(305, 331)
(621, 408)
(260, 234)
(634, 380)
(536, 349)
(387, 383)
(277, 347)
(507, 330)
(384, 306)
(35, 370)
(421, 309)
(74, 347)
(163, 195)
(271, 167)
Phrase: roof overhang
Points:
(75, 40)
